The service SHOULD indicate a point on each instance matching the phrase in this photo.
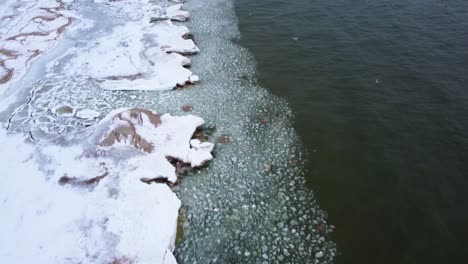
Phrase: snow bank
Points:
(83, 204)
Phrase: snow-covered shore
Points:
(146, 52)
(139, 54)
(119, 219)
(94, 202)
(251, 205)
(104, 198)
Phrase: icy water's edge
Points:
(250, 204)
(267, 214)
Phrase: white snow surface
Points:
(175, 12)
(171, 138)
(86, 203)
(120, 218)
(137, 55)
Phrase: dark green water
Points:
(380, 94)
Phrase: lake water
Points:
(379, 90)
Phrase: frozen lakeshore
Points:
(80, 198)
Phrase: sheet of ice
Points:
(86, 204)
(28, 28)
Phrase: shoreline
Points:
(250, 203)
(145, 140)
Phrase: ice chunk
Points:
(194, 78)
(87, 114)
(173, 12)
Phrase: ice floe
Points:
(87, 114)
